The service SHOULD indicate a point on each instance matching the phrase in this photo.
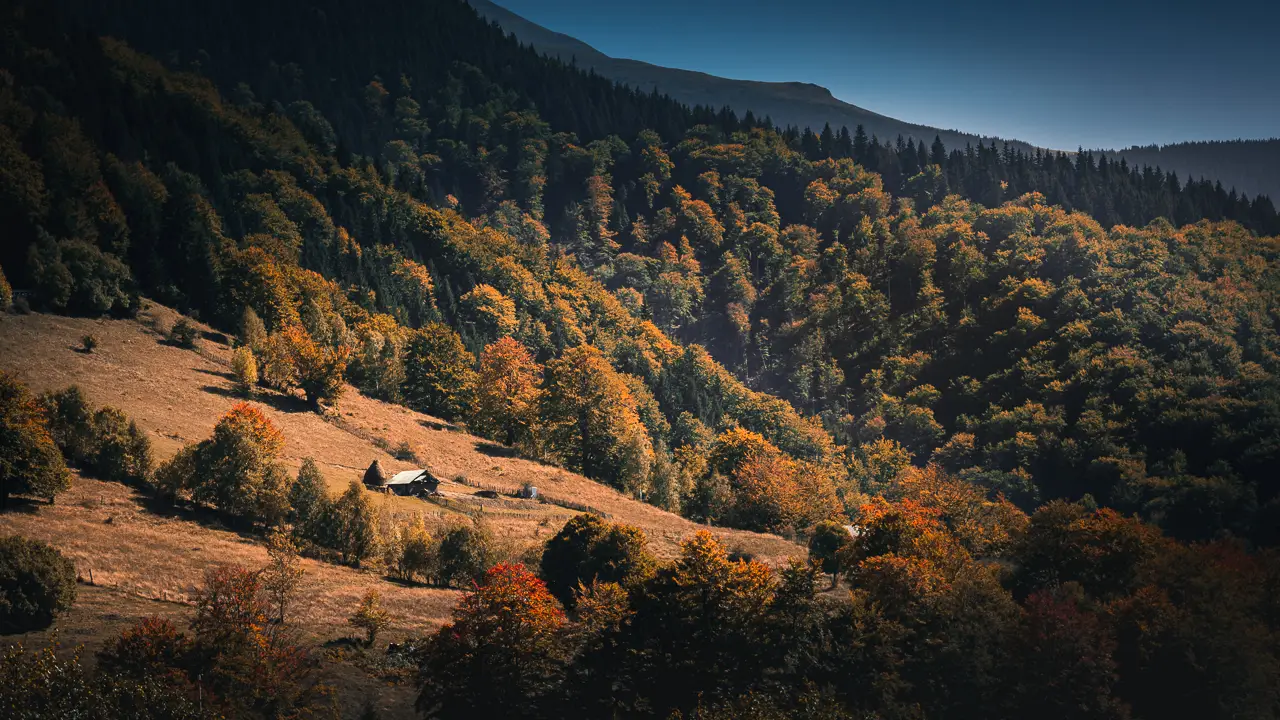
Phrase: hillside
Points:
(1247, 166)
(139, 557)
(177, 395)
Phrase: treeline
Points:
(1102, 184)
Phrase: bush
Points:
(30, 462)
(244, 367)
(36, 584)
(465, 553)
(184, 334)
(88, 343)
(46, 684)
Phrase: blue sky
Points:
(1066, 74)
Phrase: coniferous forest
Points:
(1044, 389)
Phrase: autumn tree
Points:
(370, 616)
(30, 463)
(294, 360)
(244, 368)
(506, 397)
(237, 470)
(439, 372)
(590, 419)
(499, 654)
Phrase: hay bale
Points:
(375, 476)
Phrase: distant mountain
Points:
(787, 103)
(1249, 166)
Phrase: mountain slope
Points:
(1249, 166)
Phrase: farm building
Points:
(409, 482)
(413, 482)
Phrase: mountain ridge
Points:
(810, 105)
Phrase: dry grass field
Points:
(143, 558)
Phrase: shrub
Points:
(152, 645)
(404, 451)
(370, 616)
(36, 584)
(465, 553)
(244, 367)
(88, 343)
(30, 462)
(184, 334)
(46, 684)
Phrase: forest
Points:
(1045, 388)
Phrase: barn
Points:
(413, 482)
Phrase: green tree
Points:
(466, 551)
(353, 525)
(36, 584)
(825, 543)
(439, 372)
(30, 463)
(122, 451)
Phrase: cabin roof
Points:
(410, 476)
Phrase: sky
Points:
(1090, 73)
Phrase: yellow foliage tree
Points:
(506, 396)
(590, 419)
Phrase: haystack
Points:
(375, 477)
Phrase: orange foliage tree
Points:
(499, 653)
